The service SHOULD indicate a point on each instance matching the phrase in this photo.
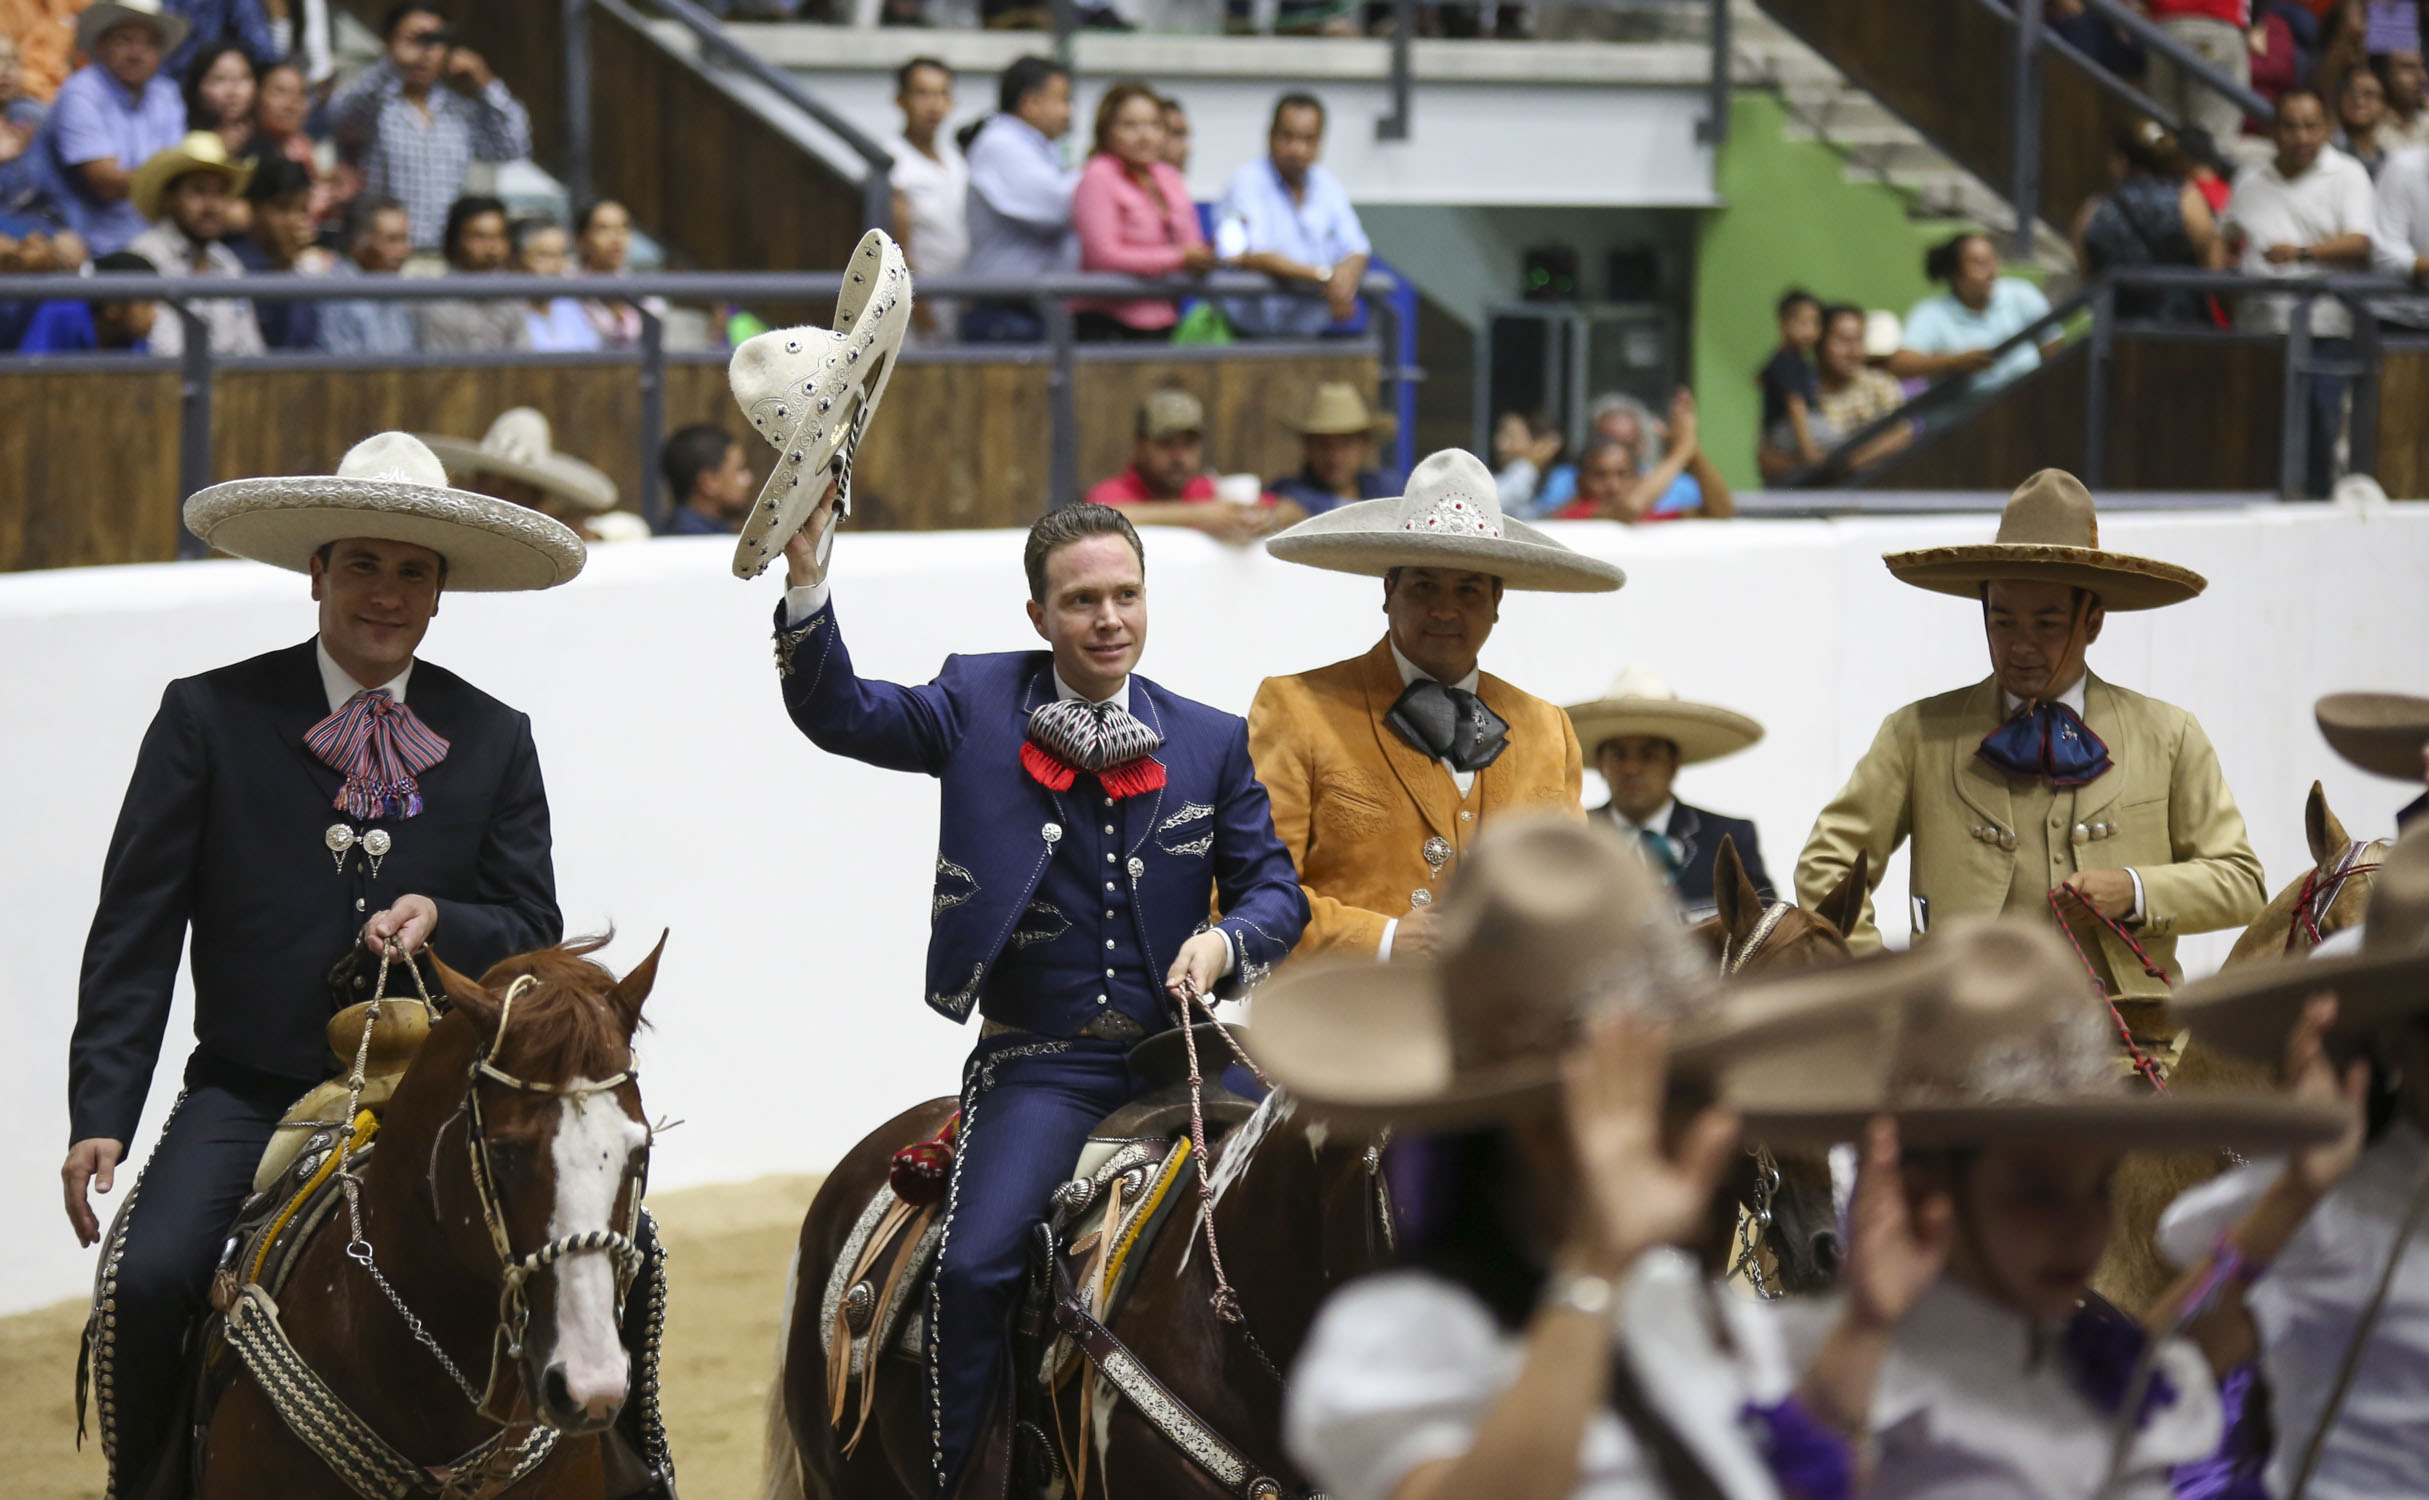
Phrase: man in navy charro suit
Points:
(1089, 815)
(1638, 734)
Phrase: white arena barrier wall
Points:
(788, 1016)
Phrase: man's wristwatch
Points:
(1582, 1292)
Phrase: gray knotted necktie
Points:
(1449, 724)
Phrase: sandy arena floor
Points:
(727, 1251)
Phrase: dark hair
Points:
(691, 453)
(364, 212)
(590, 211)
(1792, 299)
(519, 233)
(1600, 444)
(2306, 91)
(1066, 524)
(462, 212)
(1172, 106)
(902, 75)
(1296, 100)
(2075, 595)
(394, 16)
(1453, 1194)
(1833, 311)
(1940, 262)
(276, 177)
(1109, 106)
(203, 62)
(2147, 147)
(328, 547)
(123, 263)
(1025, 76)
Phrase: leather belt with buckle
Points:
(1105, 1026)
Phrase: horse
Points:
(1788, 1237)
(496, 1233)
(1297, 1208)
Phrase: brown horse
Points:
(1299, 1210)
(512, 1155)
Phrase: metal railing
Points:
(1059, 352)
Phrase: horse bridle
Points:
(2322, 887)
(1735, 958)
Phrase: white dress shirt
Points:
(340, 686)
(2073, 698)
(1464, 780)
(2309, 1301)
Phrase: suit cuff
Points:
(1231, 953)
(805, 601)
(1383, 950)
(2137, 914)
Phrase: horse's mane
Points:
(565, 1025)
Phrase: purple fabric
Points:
(2102, 1346)
(2234, 1471)
(2049, 744)
(1810, 1461)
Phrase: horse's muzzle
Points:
(560, 1408)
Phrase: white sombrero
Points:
(390, 487)
(811, 392)
(519, 446)
(1450, 517)
(1642, 702)
(97, 21)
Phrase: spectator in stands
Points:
(709, 484)
(1176, 135)
(603, 242)
(2152, 215)
(477, 242)
(2279, 59)
(112, 115)
(1337, 439)
(220, 94)
(282, 238)
(282, 101)
(1528, 477)
(931, 187)
(1613, 484)
(186, 190)
(2214, 31)
(83, 325)
(1288, 217)
(1020, 196)
(2308, 209)
(300, 31)
(2096, 37)
(2399, 70)
(1852, 394)
(414, 138)
(2344, 47)
(33, 251)
(1953, 332)
(1167, 483)
(1788, 385)
(2399, 242)
(2361, 107)
(379, 240)
(220, 23)
(20, 122)
(1134, 216)
(557, 325)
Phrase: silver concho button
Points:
(1052, 833)
(377, 843)
(1420, 898)
(339, 838)
(1137, 867)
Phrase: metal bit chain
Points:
(1755, 1223)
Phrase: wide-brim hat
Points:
(2247, 1010)
(1337, 410)
(2380, 732)
(97, 21)
(1985, 1034)
(2049, 533)
(1450, 517)
(200, 151)
(1548, 924)
(519, 446)
(811, 393)
(1642, 702)
(392, 488)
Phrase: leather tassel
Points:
(1131, 777)
(1050, 773)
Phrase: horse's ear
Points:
(634, 987)
(1733, 895)
(2321, 827)
(1844, 906)
(466, 994)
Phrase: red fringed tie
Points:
(1050, 772)
(1129, 779)
(920, 1173)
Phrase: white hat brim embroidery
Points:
(561, 474)
(1450, 517)
(811, 393)
(392, 488)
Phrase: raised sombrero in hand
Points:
(2049, 533)
(390, 487)
(811, 393)
(1642, 703)
(1449, 517)
(2382, 733)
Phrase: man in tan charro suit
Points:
(2043, 775)
(1382, 769)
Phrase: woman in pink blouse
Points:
(1134, 215)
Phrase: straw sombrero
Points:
(200, 151)
(1337, 410)
(1641, 702)
(518, 446)
(2049, 534)
(97, 21)
(1987, 1033)
(1450, 517)
(390, 487)
(2379, 732)
(2247, 1010)
(811, 392)
(1548, 924)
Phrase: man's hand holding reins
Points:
(406, 926)
(92, 1161)
(1200, 965)
(2108, 892)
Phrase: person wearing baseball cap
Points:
(1168, 483)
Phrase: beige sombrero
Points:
(390, 487)
(1337, 410)
(1450, 517)
(2049, 534)
(97, 21)
(2379, 732)
(1986, 1033)
(200, 151)
(518, 446)
(2247, 1010)
(1548, 924)
(811, 392)
(1642, 702)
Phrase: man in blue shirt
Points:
(112, 115)
(1288, 217)
(379, 240)
(1020, 196)
(76, 325)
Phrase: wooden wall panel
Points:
(2195, 416)
(2403, 437)
(1247, 401)
(2036, 423)
(88, 468)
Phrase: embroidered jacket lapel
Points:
(1428, 784)
(1981, 786)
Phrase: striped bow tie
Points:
(379, 746)
(1068, 736)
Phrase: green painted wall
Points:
(1793, 219)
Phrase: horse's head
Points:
(2328, 899)
(557, 1152)
(1749, 934)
